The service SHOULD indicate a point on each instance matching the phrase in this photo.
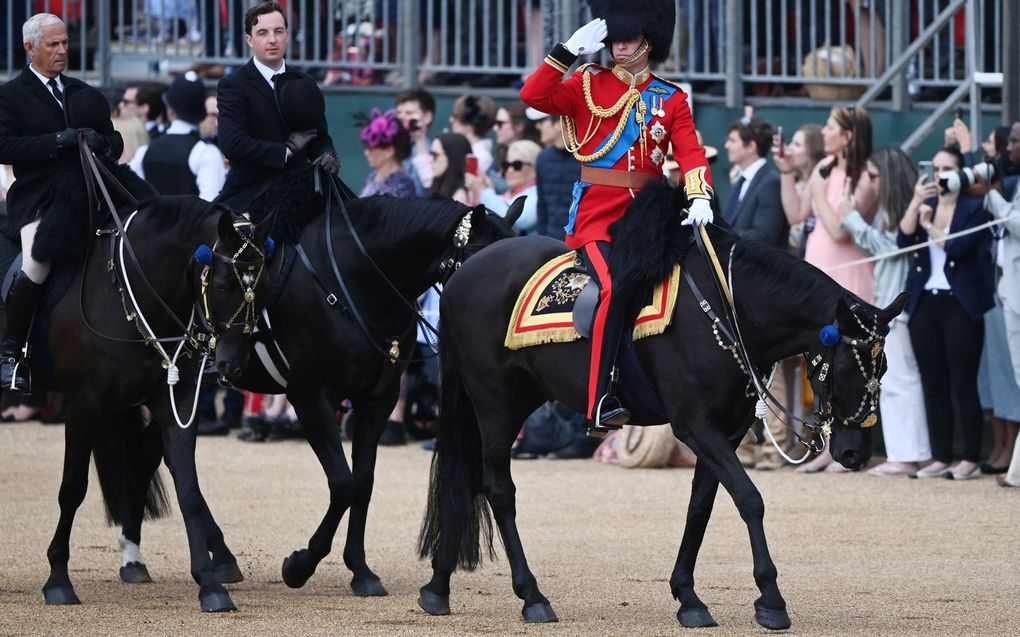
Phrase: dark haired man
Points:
(416, 108)
(253, 134)
(755, 208)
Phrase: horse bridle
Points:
(253, 270)
(461, 237)
(821, 365)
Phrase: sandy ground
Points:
(857, 555)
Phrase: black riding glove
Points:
(328, 162)
(297, 140)
(67, 138)
(96, 142)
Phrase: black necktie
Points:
(273, 79)
(56, 91)
(731, 205)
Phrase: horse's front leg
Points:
(370, 420)
(179, 452)
(716, 455)
(317, 414)
(79, 434)
(693, 613)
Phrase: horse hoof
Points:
(215, 600)
(368, 587)
(695, 618)
(228, 573)
(135, 573)
(60, 596)
(434, 604)
(541, 613)
(296, 569)
(771, 618)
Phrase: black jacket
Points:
(759, 215)
(252, 135)
(29, 121)
(556, 171)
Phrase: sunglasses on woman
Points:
(516, 165)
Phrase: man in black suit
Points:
(36, 138)
(755, 208)
(253, 133)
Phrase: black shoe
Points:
(15, 373)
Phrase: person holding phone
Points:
(449, 166)
(951, 285)
(619, 123)
(519, 172)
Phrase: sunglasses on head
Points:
(516, 165)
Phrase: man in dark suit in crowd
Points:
(755, 208)
(253, 134)
(36, 139)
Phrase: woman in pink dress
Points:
(829, 197)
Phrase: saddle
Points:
(557, 305)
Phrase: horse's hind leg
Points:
(693, 613)
(133, 569)
(317, 414)
(498, 432)
(370, 419)
(79, 434)
(716, 453)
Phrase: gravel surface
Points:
(857, 555)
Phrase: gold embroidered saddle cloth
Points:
(558, 302)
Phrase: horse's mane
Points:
(166, 212)
(395, 218)
(768, 269)
(651, 240)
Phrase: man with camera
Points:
(416, 108)
(252, 132)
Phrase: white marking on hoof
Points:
(129, 551)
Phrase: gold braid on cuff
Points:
(695, 184)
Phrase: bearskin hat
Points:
(655, 19)
(300, 101)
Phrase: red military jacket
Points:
(667, 117)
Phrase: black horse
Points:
(488, 390)
(356, 347)
(113, 347)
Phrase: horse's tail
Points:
(457, 519)
(125, 450)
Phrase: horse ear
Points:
(264, 227)
(894, 309)
(226, 223)
(844, 315)
(513, 213)
(478, 214)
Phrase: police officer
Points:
(619, 123)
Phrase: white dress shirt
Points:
(46, 82)
(205, 161)
(267, 72)
(748, 174)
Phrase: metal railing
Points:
(835, 49)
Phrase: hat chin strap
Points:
(636, 55)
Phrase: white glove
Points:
(588, 39)
(699, 214)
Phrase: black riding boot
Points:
(20, 307)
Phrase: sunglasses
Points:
(501, 122)
(516, 165)
(434, 154)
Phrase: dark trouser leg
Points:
(928, 336)
(607, 331)
(964, 339)
(20, 307)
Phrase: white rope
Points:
(930, 242)
(173, 375)
(762, 402)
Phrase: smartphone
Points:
(926, 168)
(471, 164)
(781, 146)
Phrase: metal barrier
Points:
(834, 48)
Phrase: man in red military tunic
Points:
(618, 123)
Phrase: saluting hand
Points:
(588, 39)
